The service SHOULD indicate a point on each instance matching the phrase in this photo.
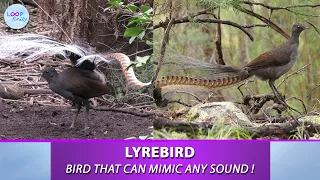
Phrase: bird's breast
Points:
(55, 87)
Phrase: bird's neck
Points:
(294, 39)
(53, 79)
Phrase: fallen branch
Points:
(124, 111)
(259, 101)
(284, 129)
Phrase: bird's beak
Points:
(41, 69)
(306, 27)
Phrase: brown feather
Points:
(82, 83)
(274, 57)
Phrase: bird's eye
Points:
(298, 26)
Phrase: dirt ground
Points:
(23, 121)
(18, 121)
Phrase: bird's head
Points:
(298, 28)
(48, 73)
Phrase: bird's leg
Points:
(277, 94)
(78, 106)
(87, 106)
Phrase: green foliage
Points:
(140, 22)
(138, 26)
(141, 61)
(223, 4)
(114, 4)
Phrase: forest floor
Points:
(20, 119)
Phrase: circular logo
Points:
(16, 16)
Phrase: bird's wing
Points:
(86, 88)
(276, 57)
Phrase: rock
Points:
(312, 119)
(223, 112)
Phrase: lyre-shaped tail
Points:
(32, 47)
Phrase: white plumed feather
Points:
(36, 46)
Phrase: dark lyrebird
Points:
(268, 66)
(77, 85)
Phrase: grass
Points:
(218, 131)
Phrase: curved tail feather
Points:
(32, 47)
(128, 72)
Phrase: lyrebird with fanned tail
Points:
(78, 83)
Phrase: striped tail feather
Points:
(128, 72)
(217, 82)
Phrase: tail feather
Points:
(221, 80)
(35, 46)
(128, 72)
(31, 47)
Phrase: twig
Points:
(124, 111)
(179, 102)
(294, 73)
(138, 52)
(256, 25)
(198, 20)
(185, 92)
(309, 95)
(34, 84)
(304, 106)
(287, 8)
(265, 20)
(280, 7)
(315, 27)
(163, 47)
